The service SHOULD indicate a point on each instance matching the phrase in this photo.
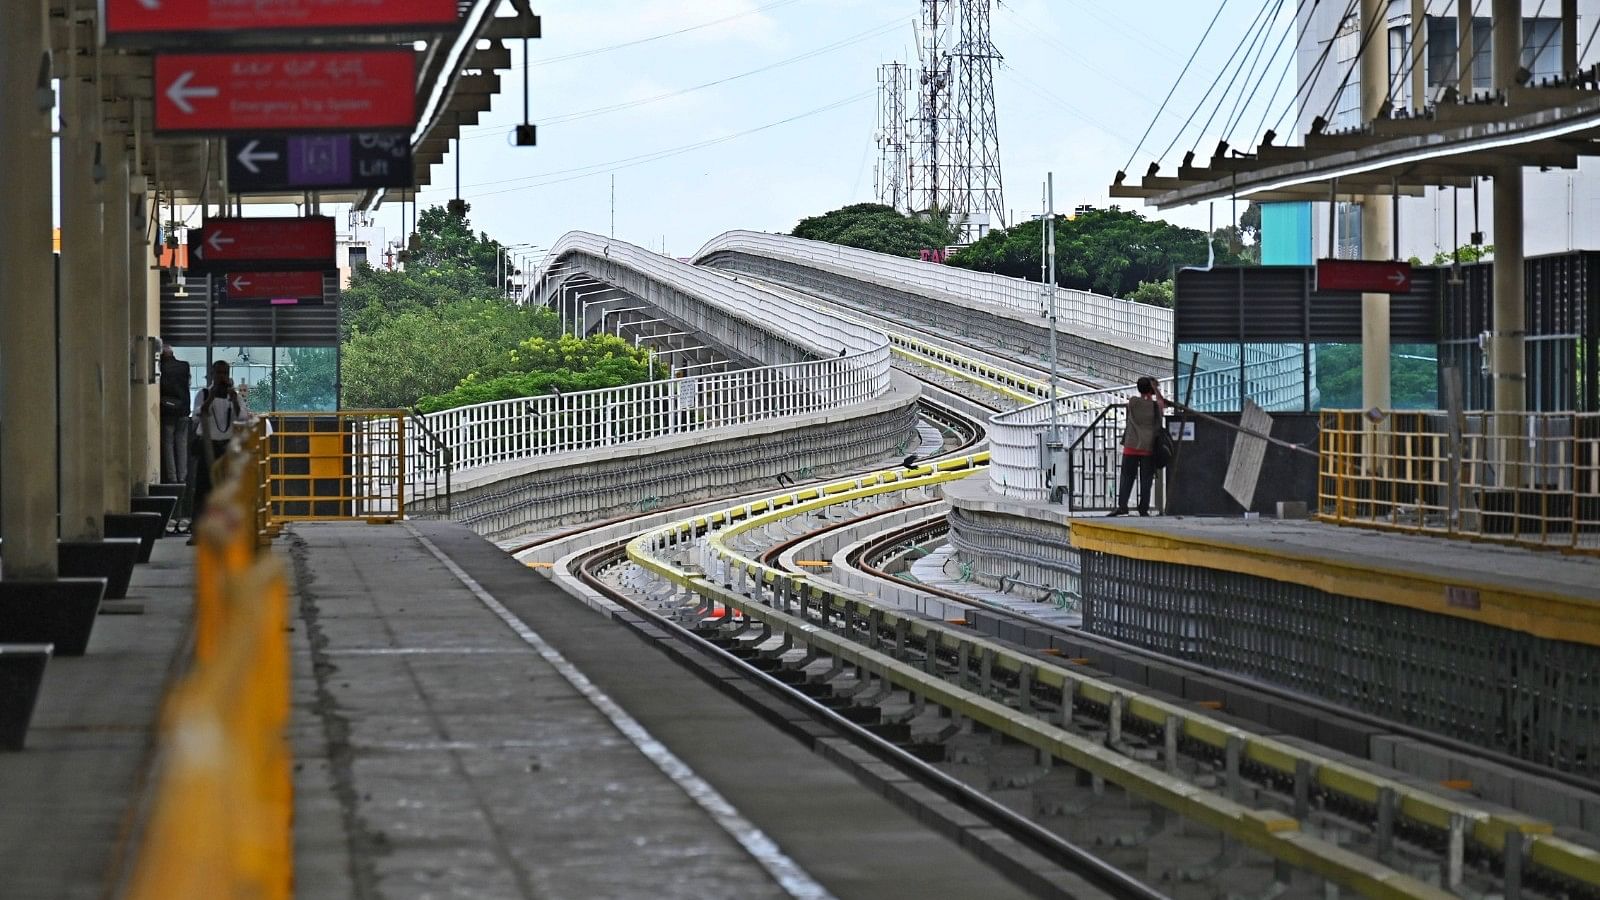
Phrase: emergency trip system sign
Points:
(248, 245)
(241, 93)
(132, 21)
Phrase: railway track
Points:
(1134, 793)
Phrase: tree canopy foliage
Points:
(1109, 251)
(883, 229)
(439, 330)
(540, 364)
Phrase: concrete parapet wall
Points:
(999, 536)
(1100, 359)
(529, 495)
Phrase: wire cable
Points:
(1256, 29)
(641, 159)
(1242, 104)
(594, 51)
(1370, 30)
(577, 115)
(1309, 82)
(1137, 147)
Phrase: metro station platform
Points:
(1544, 593)
(465, 728)
(70, 801)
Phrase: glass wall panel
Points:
(307, 379)
(1275, 376)
(1214, 376)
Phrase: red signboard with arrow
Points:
(277, 286)
(237, 245)
(1367, 276)
(129, 21)
(232, 93)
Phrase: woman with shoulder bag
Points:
(1143, 451)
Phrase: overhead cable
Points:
(1137, 147)
(641, 159)
(561, 118)
(1258, 29)
(656, 37)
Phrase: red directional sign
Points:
(127, 20)
(272, 285)
(1372, 277)
(346, 90)
(236, 245)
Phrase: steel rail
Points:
(1278, 835)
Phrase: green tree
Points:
(882, 229)
(447, 263)
(1469, 253)
(540, 364)
(1155, 293)
(1109, 251)
(431, 349)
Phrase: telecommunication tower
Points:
(954, 136)
(934, 132)
(977, 174)
(894, 188)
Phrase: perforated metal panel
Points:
(191, 320)
(1280, 304)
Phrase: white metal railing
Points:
(1081, 309)
(1016, 468)
(854, 367)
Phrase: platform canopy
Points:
(458, 73)
(1450, 145)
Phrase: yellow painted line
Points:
(1413, 804)
(968, 376)
(1540, 613)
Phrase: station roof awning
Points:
(1451, 145)
(459, 72)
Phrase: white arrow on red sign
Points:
(180, 93)
(239, 282)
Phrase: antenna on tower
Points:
(934, 135)
(978, 175)
(955, 137)
(893, 175)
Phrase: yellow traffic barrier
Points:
(220, 821)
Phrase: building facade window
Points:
(1541, 51)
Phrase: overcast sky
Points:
(788, 132)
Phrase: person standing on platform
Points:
(174, 418)
(1140, 443)
(219, 413)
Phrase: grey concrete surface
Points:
(1477, 563)
(439, 756)
(68, 801)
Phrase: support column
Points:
(1377, 222)
(82, 364)
(1569, 36)
(1464, 46)
(1419, 55)
(115, 324)
(1507, 363)
(141, 404)
(28, 478)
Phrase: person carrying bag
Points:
(1146, 446)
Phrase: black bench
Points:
(21, 674)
